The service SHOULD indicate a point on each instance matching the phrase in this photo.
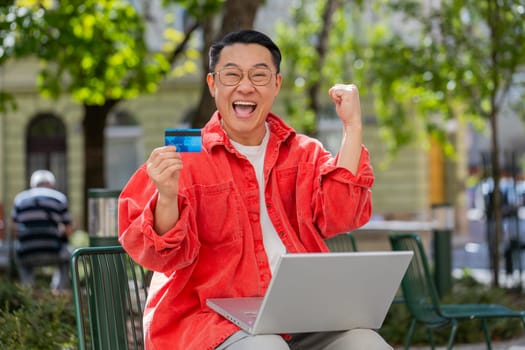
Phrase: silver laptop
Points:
(317, 292)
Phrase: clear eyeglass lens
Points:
(233, 76)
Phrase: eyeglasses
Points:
(231, 76)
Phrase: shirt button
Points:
(281, 233)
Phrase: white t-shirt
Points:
(272, 242)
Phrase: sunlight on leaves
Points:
(35, 4)
(173, 35)
(87, 62)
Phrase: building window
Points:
(46, 148)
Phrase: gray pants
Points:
(61, 277)
(356, 339)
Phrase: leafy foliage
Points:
(423, 66)
(93, 49)
(35, 321)
(301, 61)
(198, 9)
(7, 102)
(458, 62)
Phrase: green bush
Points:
(465, 290)
(12, 297)
(35, 320)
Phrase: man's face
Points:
(244, 106)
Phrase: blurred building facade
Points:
(44, 133)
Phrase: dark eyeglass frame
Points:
(250, 73)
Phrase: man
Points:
(214, 223)
(42, 224)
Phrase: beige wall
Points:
(401, 187)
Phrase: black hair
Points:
(246, 36)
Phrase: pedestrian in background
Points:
(42, 227)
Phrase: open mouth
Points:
(244, 108)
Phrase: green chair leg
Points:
(486, 334)
(452, 336)
(430, 336)
(411, 330)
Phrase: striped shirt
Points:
(39, 214)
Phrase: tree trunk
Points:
(322, 48)
(495, 32)
(93, 124)
(461, 173)
(236, 15)
(496, 199)
(206, 104)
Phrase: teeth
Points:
(242, 103)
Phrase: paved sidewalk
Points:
(514, 344)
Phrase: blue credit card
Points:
(186, 140)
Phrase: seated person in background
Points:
(42, 227)
(214, 223)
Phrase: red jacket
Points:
(216, 248)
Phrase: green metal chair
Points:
(342, 243)
(423, 303)
(109, 290)
(346, 243)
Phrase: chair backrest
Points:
(418, 287)
(342, 243)
(109, 291)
